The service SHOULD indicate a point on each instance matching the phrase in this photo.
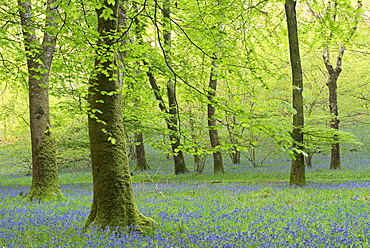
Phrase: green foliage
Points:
(253, 73)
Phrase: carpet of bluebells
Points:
(200, 214)
(246, 207)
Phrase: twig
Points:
(156, 184)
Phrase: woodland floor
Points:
(245, 207)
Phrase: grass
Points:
(245, 207)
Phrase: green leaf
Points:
(37, 77)
(112, 140)
(111, 2)
(304, 154)
(107, 14)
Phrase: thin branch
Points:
(132, 21)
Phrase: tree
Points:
(45, 184)
(113, 201)
(234, 136)
(333, 102)
(297, 174)
(333, 75)
(196, 143)
(139, 153)
(172, 121)
(218, 166)
(141, 162)
(329, 21)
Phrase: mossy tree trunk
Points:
(297, 175)
(113, 201)
(45, 184)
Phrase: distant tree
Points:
(328, 21)
(333, 102)
(297, 174)
(39, 59)
(141, 161)
(199, 160)
(139, 150)
(218, 166)
(172, 120)
(113, 201)
(234, 136)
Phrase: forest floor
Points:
(245, 207)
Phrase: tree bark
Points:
(45, 184)
(234, 152)
(172, 120)
(297, 175)
(171, 112)
(333, 102)
(198, 163)
(113, 201)
(141, 162)
(308, 159)
(218, 166)
(235, 156)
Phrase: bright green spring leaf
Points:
(107, 14)
(112, 140)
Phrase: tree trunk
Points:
(308, 159)
(198, 163)
(172, 121)
(141, 162)
(334, 74)
(333, 102)
(180, 166)
(235, 156)
(113, 201)
(297, 175)
(234, 152)
(171, 112)
(45, 184)
(218, 166)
